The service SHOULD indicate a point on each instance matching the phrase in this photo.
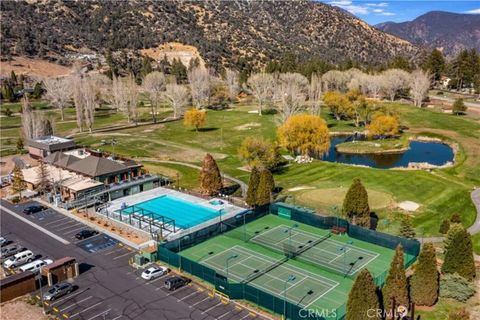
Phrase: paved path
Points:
(242, 184)
(474, 228)
(467, 103)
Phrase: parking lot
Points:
(108, 287)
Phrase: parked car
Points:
(35, 266)
(86, 233)
(173, 283)
(19, 259)
(154, 272)
(57, 291)
(9, 251)
(3, 241)
(34, 208)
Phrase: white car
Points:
(154, 272)
(35, 266)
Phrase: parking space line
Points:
(224, 315)
(86, 309)
(101, 313)
(212, 307)
(193, 305)
(74, 230)
(68, 296)
(34, 225)
(73, 225)
(118, 317)
(122, 255)
(76, 303)
(63, 223)
(186, 297)
(56, 221)
(159, 278)
(113, 251)
(178, 290)
(245, 316)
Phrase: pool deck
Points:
(229, 210)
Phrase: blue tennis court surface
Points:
(186, 214)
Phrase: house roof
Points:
(60, 159)
(51, 143)
(93, 166)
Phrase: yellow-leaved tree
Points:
(194, 118)
(305, 134)
(338, 103)
(383, 125)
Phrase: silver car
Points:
(57, 291)
(10, 251)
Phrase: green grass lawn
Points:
(440, 193)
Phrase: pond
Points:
(420, 151)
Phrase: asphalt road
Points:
(108, 288)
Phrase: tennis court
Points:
(342, 258)
(297, 285)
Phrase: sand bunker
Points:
(409, 206)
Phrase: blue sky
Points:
(375, 12)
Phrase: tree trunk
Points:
(62, 113)
(260, 109)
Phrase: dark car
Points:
(86, 233)
(57, 291)
(33, 209)
(176, 282)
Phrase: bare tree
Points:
(178, 97)
(27, 119)
(90, 102)
(394, 80)
(200, 84)
(261, 85)
(315, 93)
(78, 100)
(59, 92)
(419, 85)
(131, 90)
(335, 80)
(231, 82)
(154, 84)
(291, 93)
(373, 83)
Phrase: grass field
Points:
(440, 193)
(313, 270)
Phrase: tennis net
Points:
(258, 273)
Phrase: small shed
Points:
(60, 270)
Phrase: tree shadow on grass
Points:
(207, 129)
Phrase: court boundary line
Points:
(373, 255)
(306, 274)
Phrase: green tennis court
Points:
(339, 257)
(297, 285)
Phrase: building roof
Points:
(51, 143)
(60, 159)
(94, 166)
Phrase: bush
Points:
(15, 200)
(460, 314)
(456, 287)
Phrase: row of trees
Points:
(424, 286)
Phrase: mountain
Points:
(451, 32)
(224, 32)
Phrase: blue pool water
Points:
(186, 214)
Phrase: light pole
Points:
(228, 260)
(244, 225)
(289, 279)
(41, 294)
(180, 249)
(289, 231)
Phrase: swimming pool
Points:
(185, 213)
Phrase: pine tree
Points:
(210, 178)
(435, 64)
(424, 282)
(20, 145)
(13, 78)
(251, 199)
(37, 91)
(395, 287)
(18, 184)
(362, 297)
(355, 205)
(445, 226)
(459, 253)
(406, 228)
(265, 187)
(42, 173)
